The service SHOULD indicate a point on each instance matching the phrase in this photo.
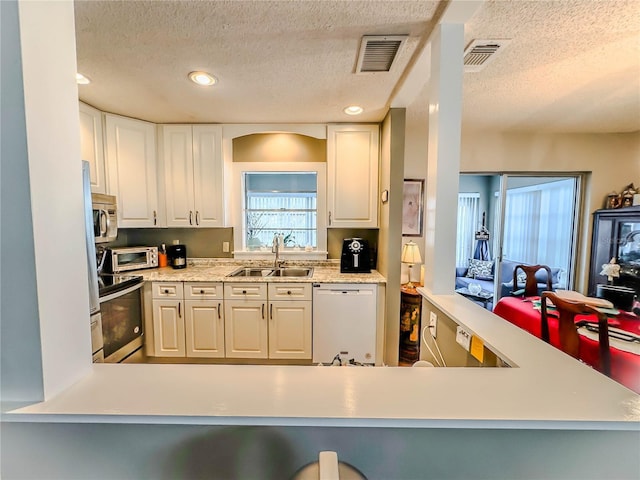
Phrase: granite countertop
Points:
(216, 270)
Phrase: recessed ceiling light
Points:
(202, 78)
(353, 110)
(82, 80)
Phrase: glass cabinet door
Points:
(629, 242)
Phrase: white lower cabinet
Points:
(239, 320)
(245, 329)
(204, 328)
(168, 328)
(273, 322)
(290, 329)
(188, 320)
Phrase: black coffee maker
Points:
(177, 255)
(356, 256)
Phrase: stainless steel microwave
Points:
(130, 258)
(105, 217)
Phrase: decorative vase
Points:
(474, 288)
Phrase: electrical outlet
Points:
(463, 338)
(225, 247)
(433, 323)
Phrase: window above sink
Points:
(262, 207)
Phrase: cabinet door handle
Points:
(329, 218)
(166, 291)
(219, 317)
(179, 309)
(190, 217)
(288, 292)
(263, 311)
(202, 291)
(244, 292)
(197, 217)
(155, 217)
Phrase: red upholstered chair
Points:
(531, 283)
(568, 332)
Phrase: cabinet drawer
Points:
(253, 291)
(167, 290)
(289, 291)
(203, 291)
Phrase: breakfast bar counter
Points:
(544, 389)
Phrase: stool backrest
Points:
(568, 331)
(531, 283)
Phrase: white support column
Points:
(443, 164)
(52, 126)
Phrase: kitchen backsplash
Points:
(200, 242)
(207, 242)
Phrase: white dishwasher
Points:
(344, 322)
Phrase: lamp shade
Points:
(411, 253)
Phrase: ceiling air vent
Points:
(377, 52)
(480, 53)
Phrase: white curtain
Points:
(286, 213)
(538, 224)
(468, 223)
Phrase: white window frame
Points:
(238, 206)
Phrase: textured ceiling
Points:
(572, 65)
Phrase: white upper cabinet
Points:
(352, 169)
(131, 163)
(92, 146)
(193, 174)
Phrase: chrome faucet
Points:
(275, 248)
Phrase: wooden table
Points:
(625, 366)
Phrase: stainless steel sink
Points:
(272, 272)
(251, 272)
(292, 272)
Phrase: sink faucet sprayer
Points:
(277, 243)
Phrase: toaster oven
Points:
(119, 260)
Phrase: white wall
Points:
(415, 166)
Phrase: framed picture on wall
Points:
(412, 207)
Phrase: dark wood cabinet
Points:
(616, 233)
(410, 316)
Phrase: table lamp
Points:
(410, 256)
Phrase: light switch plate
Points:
(225, 247)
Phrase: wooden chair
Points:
(568, 331)
(531, 284)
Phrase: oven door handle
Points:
(121, 292)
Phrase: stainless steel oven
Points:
(121, 312)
